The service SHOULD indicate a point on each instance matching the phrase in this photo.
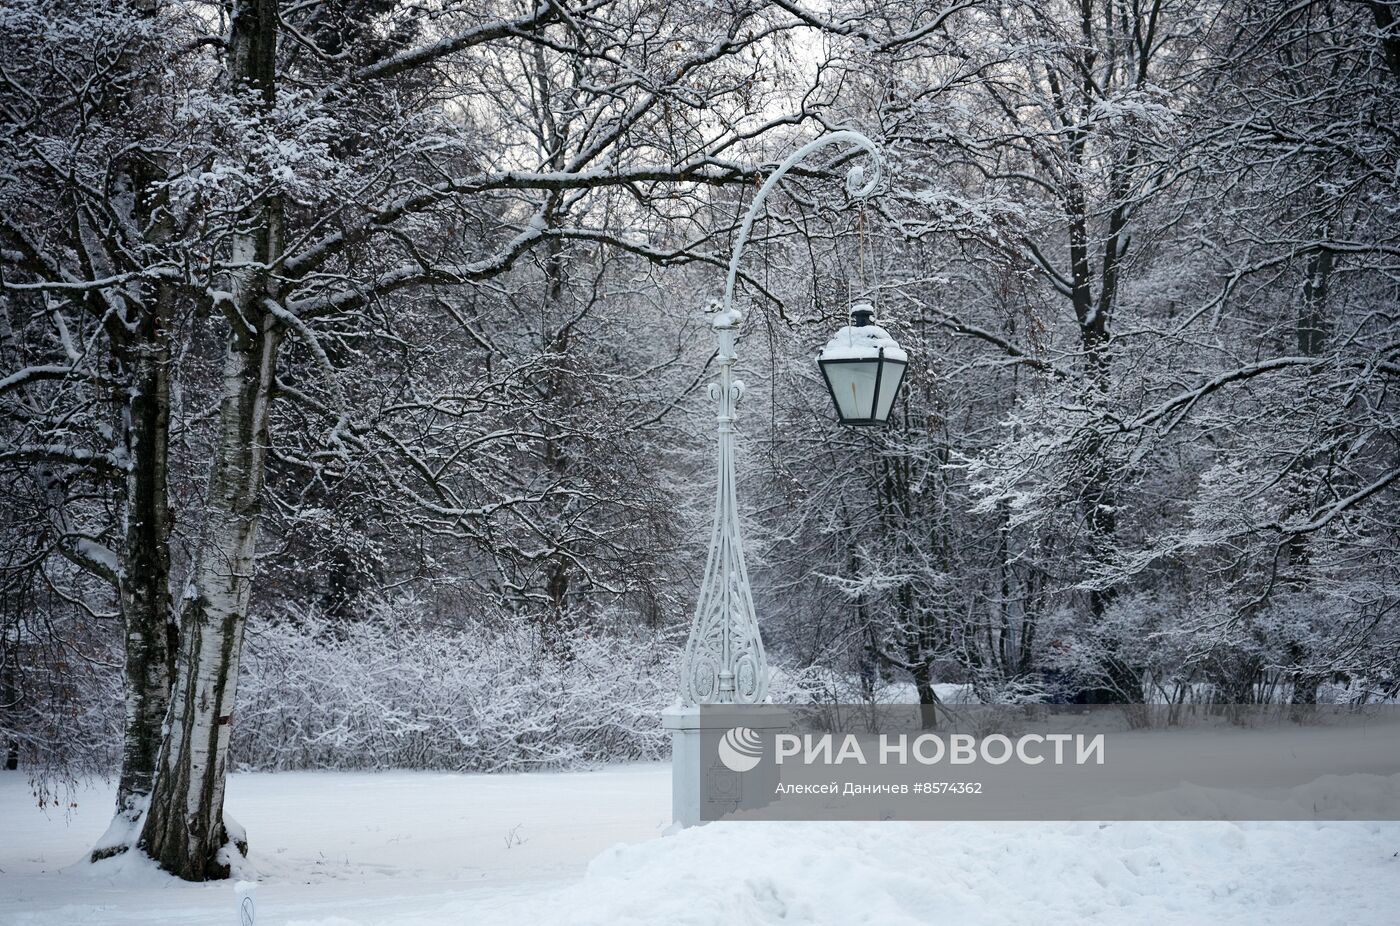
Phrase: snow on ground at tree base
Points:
(429, 849)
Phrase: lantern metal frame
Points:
(879, 360)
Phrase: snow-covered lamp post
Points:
(724, 661)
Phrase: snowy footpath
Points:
(426, 849)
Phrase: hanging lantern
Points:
(864, 368)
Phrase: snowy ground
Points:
(423, 849)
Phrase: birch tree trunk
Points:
(144, 573)
(142, 347)
(185, 830)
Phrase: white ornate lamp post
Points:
(724, 661)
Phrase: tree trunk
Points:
(7, 698)
(142, 348)
(922, 672)
(185, 830)
(1120, 683)
(144, 575)
(1388, 34)
(1312, 329)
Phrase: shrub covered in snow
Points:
(395, 692)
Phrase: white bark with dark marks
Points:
(185, 830)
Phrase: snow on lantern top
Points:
(862, 340)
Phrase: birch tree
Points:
(90, 295)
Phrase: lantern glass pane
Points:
(853, 385)
(890, 380)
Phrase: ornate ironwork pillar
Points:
(724, 661)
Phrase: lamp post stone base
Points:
(695, 732)
(684, 724)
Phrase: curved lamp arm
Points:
(858, 184)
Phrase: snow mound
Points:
(979, 875)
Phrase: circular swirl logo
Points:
(740, 749)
